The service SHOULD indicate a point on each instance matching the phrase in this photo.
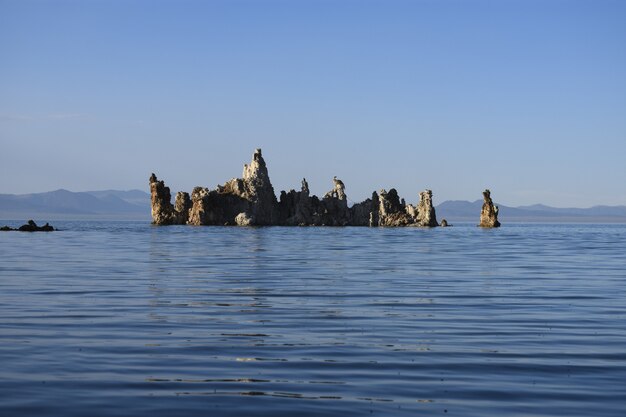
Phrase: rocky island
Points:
(251, 201)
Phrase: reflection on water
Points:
(130, 319)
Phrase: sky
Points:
(526, 98)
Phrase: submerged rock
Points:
(489, 212)
(251, 201)
(30, 226)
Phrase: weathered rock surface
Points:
(182, 205)
(425, 211)
(299, 208)
(489, 212)
(392, 211)
(251, 201)
(30, 226)
(163, 212)
(296, 208)
(241, 201)
(259, 192)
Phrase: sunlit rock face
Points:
(258, 191)
(489, 212)
(392, 211)
(243, 201)
(251, 201)
(425, 211)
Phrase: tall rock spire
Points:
(489, 212)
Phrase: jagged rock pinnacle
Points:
(489, 212)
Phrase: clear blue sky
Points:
(527, 98)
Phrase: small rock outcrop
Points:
(251, 201)
(30, 226)
(489, 212)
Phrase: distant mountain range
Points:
(64, 204)
(135, 205)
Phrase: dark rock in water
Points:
(251, 201)
(365, 213)
(30, 226)
(374, 216)
(295, 208)
(489, 212)
(444, 223)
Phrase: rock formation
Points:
(30, 226)
(425, 210)
(162, 210)
(251, 201)
(258, 190)
(391, 211)
(243, 201)
(489, 212)
(339, 188)
(302, 209)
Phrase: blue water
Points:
(114, 318)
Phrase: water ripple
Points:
(128, 319)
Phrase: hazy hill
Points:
(136, 197)
(134, 204)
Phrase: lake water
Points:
(129, 319)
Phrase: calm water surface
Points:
(115, 318)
